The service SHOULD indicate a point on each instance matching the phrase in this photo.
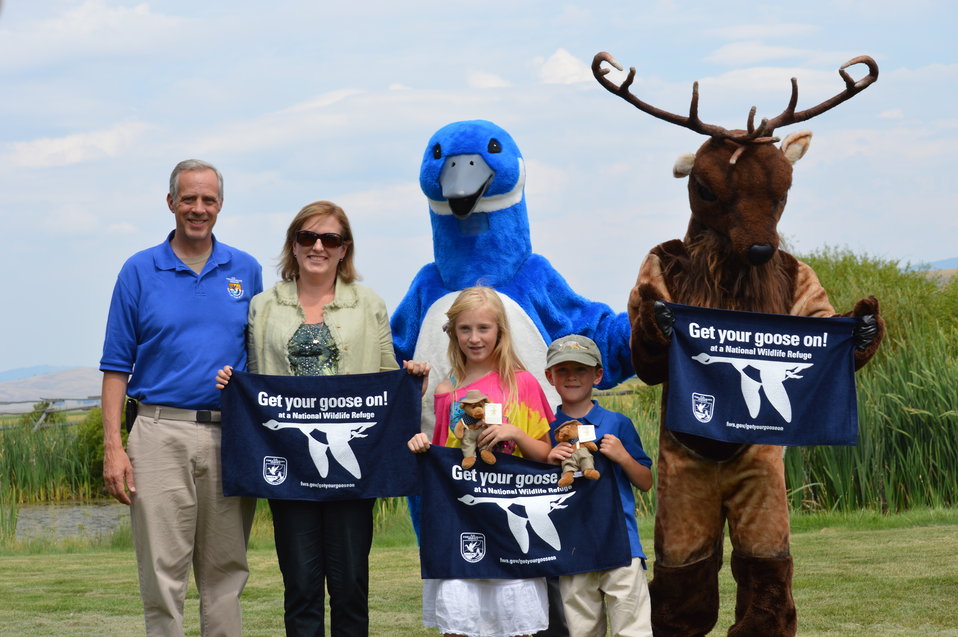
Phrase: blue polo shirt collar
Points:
(166, 259)
(590, 418)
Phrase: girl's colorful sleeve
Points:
(531, 412)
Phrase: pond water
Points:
(70, 519)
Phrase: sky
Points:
(301, 100)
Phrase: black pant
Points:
(327, 543)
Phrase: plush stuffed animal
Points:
(468, 428)
(473, 176)
(730, 259)
(581, 459)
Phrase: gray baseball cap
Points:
(575, 348)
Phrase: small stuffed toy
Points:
(470, 426)
(581, 459)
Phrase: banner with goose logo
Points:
(320, 437)
(510, 519)
(762, 378)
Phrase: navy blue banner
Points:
(762, 378)
(320, 437)
(510, 520)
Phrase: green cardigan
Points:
(356, 318)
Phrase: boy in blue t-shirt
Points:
(574, 367)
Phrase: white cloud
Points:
(121, 229)
(563, 68)
(319, 102)
(750, 53)
(93, 26)
(486, 80)
(71, 219)
(893, 113)
(77, 148)
(764, 31)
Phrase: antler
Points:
(754, 135)
(852, 88)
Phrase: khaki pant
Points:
(619, 594)
(179, 518)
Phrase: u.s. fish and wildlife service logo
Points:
(703, 406)
(472, 546)
(274, 469)
(235, 287)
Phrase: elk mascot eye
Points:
(436, 151)
(704, 191)
(494, 146)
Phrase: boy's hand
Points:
(559, 453)
(611, 447)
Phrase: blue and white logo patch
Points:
(234, 287)
(703, 406)
(472, 546)
(274, 469)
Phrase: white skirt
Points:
(485, 607)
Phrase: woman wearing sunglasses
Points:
(317, 320)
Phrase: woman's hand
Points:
(223, 376)
(419, 443)
(559, 453)
(418, 368)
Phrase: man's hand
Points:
(118, 475)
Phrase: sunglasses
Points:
(307, 239)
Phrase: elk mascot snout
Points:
(730, 259)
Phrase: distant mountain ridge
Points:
(944, 264)
(74, 382)
(28, 372)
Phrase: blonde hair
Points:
(507, 362)
(288, 265)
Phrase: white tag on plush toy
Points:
(493, 414)
(586, 433)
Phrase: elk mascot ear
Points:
(683, 166)
(796, 145)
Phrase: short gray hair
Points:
(188, 165)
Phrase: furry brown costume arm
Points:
(650, 347)
(810, 299)
(866, 306)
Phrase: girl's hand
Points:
(611, 447)
(559, 453)
(418, 368)
(419, 443)
(494, 434)
(223, 376)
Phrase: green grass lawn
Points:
(855, 574)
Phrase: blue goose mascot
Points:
(473, 175)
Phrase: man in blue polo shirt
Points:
(177, 315)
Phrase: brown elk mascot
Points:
(730, 259)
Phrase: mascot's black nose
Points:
(760, 253)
